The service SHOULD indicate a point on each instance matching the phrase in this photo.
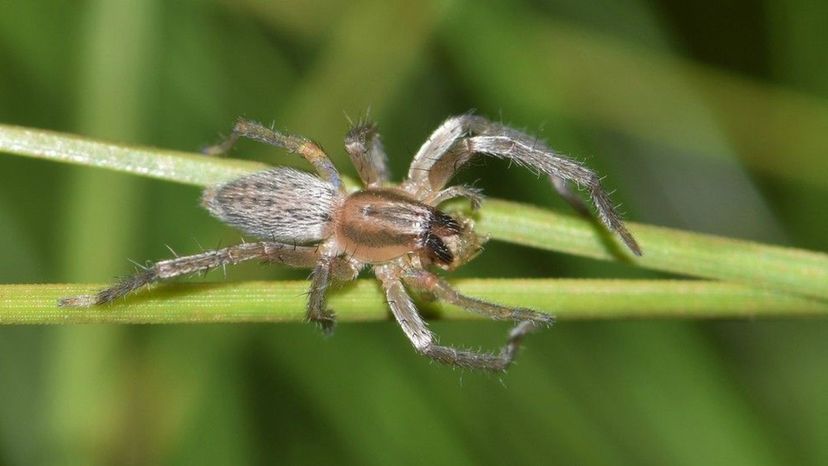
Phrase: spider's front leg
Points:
(425, 281)
(424, 341)
(460, 138)
(297, 256)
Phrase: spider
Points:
(311, 221)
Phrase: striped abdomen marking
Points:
(379, 225)
(281, 204)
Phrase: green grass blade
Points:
(284, 301)
(694, 254)
(665, 249)
(181, 167)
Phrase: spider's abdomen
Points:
(378, 225)
(279, 204)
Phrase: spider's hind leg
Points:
(297, 256)
(308, 149)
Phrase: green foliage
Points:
(781, 269)
(697, 130)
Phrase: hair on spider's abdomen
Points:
(281, 204)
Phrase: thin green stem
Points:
(759, 265)
(284, 301)
(665, 249)
(181, 167)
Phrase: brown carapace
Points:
(312, 221)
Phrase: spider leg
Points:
(364, 145)
(543, 159)
(426, 171)
(308, 149)
(297, 256)
(460, 138)
(424, 341)
(426, 281)
(474, 195)
(317, 311)
(574, 201)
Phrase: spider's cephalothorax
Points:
(311, 221)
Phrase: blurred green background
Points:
(710, 116)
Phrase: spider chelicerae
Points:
(312, 221)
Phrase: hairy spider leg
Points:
(460, 138)
(296, 256)
(364, 145)
(424, 341)
(317, 310)
(473, 195)
(301, 145)
(424, 281)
